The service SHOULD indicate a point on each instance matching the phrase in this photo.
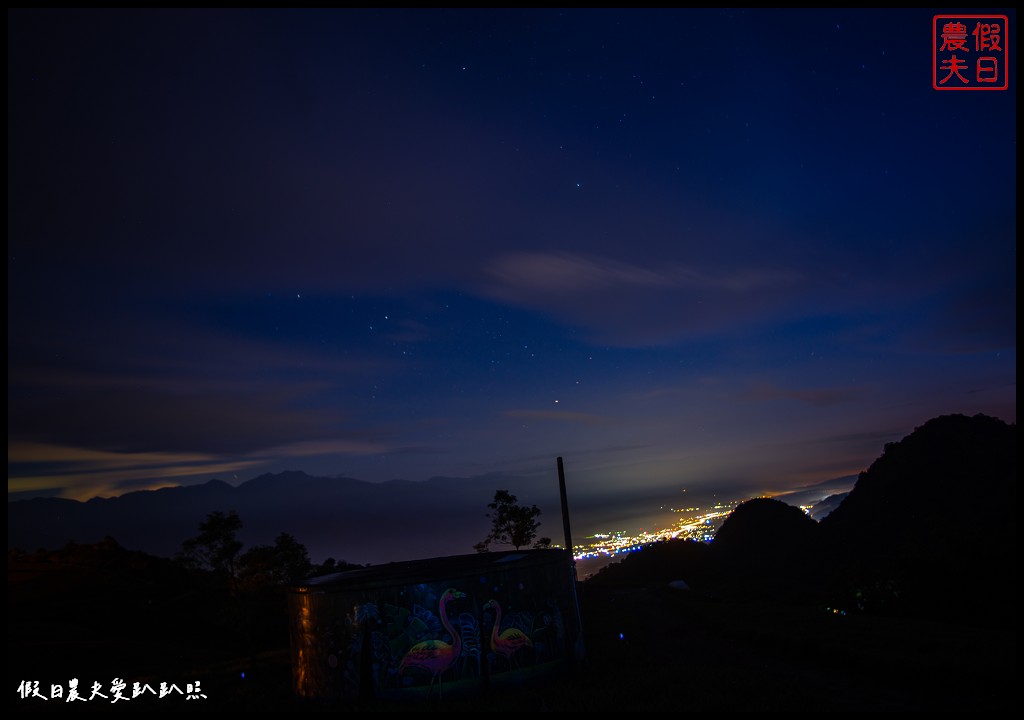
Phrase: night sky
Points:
(728, 251)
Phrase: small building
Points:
(439, 627)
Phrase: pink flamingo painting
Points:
(436, 656)
(511, 640)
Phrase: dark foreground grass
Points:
(649, 648)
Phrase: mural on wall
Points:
(429, 639)
(436, 656)
(512, 639)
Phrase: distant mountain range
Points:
(917, 483)
(822, 498)
(823, 508)
(346, 519)
(343, 518)
(929, 530)
(945, 495)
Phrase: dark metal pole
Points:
(580, 650)
(565, 507)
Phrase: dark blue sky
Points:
(734, 250)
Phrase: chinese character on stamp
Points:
(969, 52)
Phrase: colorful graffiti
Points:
(510, 640)
(436, 656)
(455, 634)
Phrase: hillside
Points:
(779, 613)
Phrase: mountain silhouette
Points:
(822, 508)
(932, 522)
(929, 530)
(925, 478)
(763, 530)
(904, 531)
(343, 518)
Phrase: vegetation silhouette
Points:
(902, 542)
(766, 548)
(905, 540)
(897, 601)
(511, 523)
(216, 548)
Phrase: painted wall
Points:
(436, 627)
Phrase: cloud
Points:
(873, 438)
(558, 416)
(137, 420)
(342, 446)
(562, 273)
(978, 319)
(213, 394)
(630, 304)
(820, 397)
(82, 473)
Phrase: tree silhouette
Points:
(287, 560)
(512, 524)
(217, 546)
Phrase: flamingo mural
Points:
(436, 656)
(509, 642)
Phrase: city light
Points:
(698, 524)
